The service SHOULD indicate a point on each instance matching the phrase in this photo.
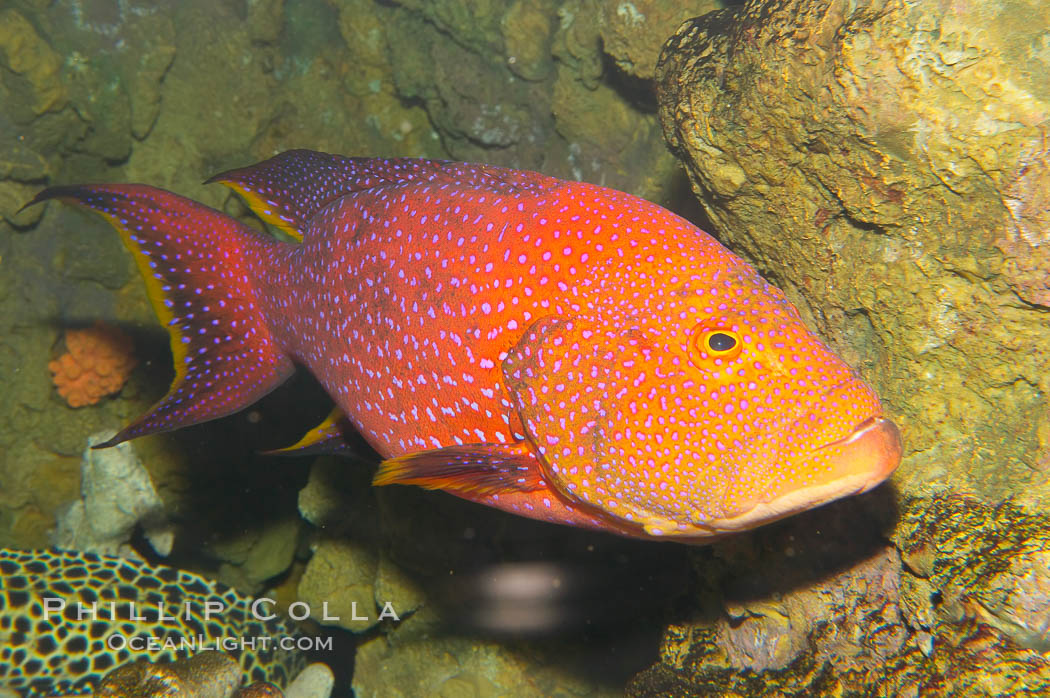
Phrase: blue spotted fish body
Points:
(554, 349)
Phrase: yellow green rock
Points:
(885, 163)
(33, 61)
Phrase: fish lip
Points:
(875, 439)
(873, 422)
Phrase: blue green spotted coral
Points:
(67, 618)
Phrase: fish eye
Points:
(715, 343)
(719, 342)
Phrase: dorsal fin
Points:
(289, 189)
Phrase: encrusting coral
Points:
(97, 363)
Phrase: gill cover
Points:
(593, 406)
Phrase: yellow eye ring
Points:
(717, 343)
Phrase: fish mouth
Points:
(859, 462)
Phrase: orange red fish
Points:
(554, 349)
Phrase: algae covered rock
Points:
(459, 668)
(257, 552)
(350, 577)
(984, 561)
(34, 65)
(339, 585)
(522, 84)
(821, 605)
(885, 163)
(633, 32)
(874, 158)
(528, 30)
(30, 85)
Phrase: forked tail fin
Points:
(195, 261)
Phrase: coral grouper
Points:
(554, 349)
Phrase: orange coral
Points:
(98, 363)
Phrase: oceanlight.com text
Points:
(152, 643)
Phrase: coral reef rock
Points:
(633, 32)
(315, 681)
(350, 576)
(886, 163)
(969, 659)
(206, 674)
(974, 559)
(117, 494)
(836, 611)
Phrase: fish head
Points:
(718, 412)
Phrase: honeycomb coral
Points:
(98, 362)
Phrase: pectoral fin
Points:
(470, 470)
(505, 476)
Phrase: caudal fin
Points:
(194, 260)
